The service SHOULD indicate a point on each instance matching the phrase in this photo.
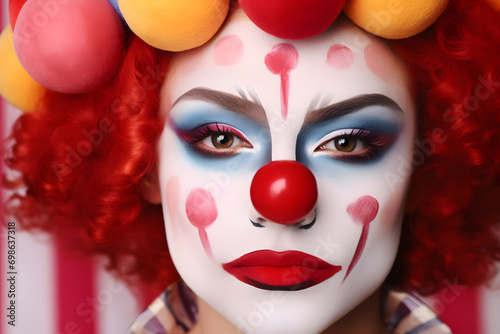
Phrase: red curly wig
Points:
(88, 156)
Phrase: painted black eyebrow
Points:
(227, 101)
(348, 106)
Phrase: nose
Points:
(284, 192)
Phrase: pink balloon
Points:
(70, 46)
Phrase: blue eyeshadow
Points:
(192, 117)
(376, 120)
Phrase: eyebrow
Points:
(348, 106)
(227, 101)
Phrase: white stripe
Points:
(35, 290)
(118, 307)
(491, 307)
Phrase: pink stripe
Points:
(462, 310)
(77, 307)
(3, 314)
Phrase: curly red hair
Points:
(89, 155)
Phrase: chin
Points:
(309, 311)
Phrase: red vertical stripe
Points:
(77, 305)
(463, 313)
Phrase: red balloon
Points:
(292, 19)
(14, 9)
(284, 192)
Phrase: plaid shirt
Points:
(175, 312)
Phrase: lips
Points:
(289, 270)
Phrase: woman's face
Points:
(340, 104)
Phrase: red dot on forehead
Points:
(339, 57)
(282, 59)
(228, 50)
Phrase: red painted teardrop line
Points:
(284, 192)
(359, 250)
(363, 212)
(205, 242)
(282, 59)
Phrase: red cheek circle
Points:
(228, 50)
(173, 194)
(364, 210)
(377, 59)
(201, 208)
(339, 57)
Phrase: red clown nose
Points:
(284, 192)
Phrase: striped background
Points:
(56, 294)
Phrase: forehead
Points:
(342, 62)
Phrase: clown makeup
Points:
(248, 98)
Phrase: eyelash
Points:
(196, 136)
(376, 144)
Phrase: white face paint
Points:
(254, 111)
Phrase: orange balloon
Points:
(394, 19)
(174, 25)
(495, 4)
(16, 85)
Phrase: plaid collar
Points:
(175, 312)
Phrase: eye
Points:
(346, 144)
(223, 140)
(354, 145)
(215, 139)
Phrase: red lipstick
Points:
(289, 270)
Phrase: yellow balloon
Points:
(394, 19)
(16, 86)
(174, 25)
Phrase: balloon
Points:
(174, 25)
(16, 86)
(495, 4)
(284, 192)
(394, 19)
(292, 19)
(14, 8)
(71, 48)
